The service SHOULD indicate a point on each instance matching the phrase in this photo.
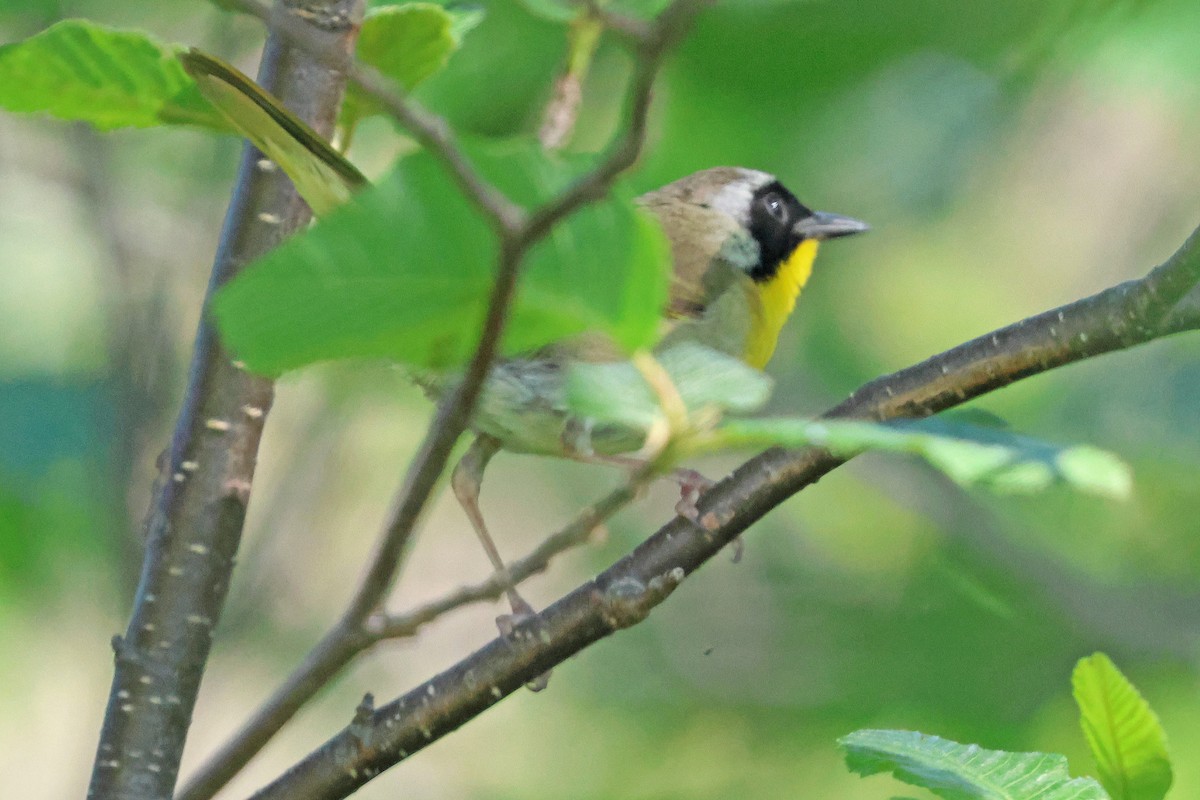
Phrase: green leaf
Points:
(1099, 471)
(978, 417)
(406, 269)
(969, 455)
(617, 392)
(1124, 734)
(965, 772)
(322, 176)
(407, 43)
(110, 78)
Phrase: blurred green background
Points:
(1011, 156)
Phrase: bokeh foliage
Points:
(1010, 156)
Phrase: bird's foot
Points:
(691, 485)
(521, 612)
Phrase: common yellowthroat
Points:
(742, 248)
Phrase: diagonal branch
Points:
(351, 635)
(1117, 318)
(195, 521)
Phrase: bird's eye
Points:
(775, 207)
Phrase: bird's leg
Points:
(691, 483)
(465, 481)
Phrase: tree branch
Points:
(199, 505)
(1117, 318)
(351, 634)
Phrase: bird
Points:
(742, 248)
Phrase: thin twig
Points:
(1123, 316)
(350, 635)
(562, 112)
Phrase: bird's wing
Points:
(700, 240)
(688, 294)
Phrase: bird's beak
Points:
(822, 225)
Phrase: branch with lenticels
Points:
(195, 521)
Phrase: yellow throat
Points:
(776, 299)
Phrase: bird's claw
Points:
(691, 485)
(522, 612)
